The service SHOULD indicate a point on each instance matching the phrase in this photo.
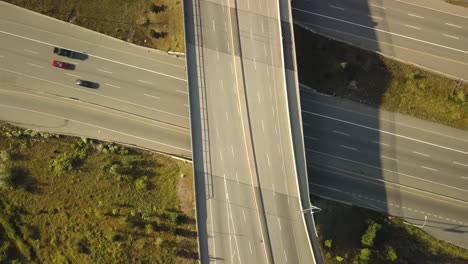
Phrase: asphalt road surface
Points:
(248, 207)
(388, 162)
(428, 33)
(138, 87)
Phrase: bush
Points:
(459, 97)
(142, 183)
(365, 255)
(175, 217)
(116, 170)
(6, 176)
(5, 156)
(369, 236)
(339, 258)
(391, 253)
(63, 163)
(328, 243)
(4, 251)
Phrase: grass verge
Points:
(336, 68)
(393, 241)
(462, 3)
(75, 200)
(156, 24)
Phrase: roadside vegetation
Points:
(350, 234)
(77, 200)
(156, 24)
(339, 69)
(463, 3)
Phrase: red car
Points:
(60, 64)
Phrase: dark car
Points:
(87, 83)
(64, 52)
(61, 64)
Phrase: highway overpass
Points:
(242, 90)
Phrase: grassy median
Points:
(351, 234)
(157, 24)
(76, 200)
(343, 70)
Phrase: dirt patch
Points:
(185, 191)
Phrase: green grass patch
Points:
(340, 69)
(86, 212)
(462, 3)
(371, 237)
(156, 24)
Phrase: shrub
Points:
(142, 183)
(339, 258)
(365, 255)
(175, 217)
(6, 176)
(459, 97)
(63, 163)
(5, 156)
(369, 236)
(4, 251)
(391, 253)
(116, 170)
(328, 243)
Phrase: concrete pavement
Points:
(248, 207)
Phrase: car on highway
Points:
(88, 84)
(64, 52)
(61, 64)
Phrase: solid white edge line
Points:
(381, 30)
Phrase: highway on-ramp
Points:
(248, 205)
(429, 33)
(141, 99)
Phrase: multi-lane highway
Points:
(429, 33)
(142, 94)
(388, 162)
(248, 205)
